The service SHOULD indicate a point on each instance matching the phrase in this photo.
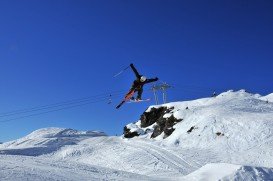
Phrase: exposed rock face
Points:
(165, 125)
(156, 118)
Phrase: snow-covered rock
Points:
(156, 121)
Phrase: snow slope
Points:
(231, 139)
(223, 171)
(25, 168)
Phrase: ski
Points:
(126, 98)
(118, 106)
(141, 100)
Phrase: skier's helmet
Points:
(143, 79)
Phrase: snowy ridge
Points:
(61, 132)
(228, 137)
(269, 97)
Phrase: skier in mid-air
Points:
(139, 83)
(137, 86)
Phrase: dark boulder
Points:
(220, 134)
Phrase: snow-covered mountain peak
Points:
(232, 93)
(54, 132)
(47, 140)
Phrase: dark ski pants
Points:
(139, 93)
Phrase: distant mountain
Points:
(47, 140)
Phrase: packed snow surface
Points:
(231, 139)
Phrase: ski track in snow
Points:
(158, 158)
(168, 157)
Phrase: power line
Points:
(55, 105)
(36, 114)
(107, 97)
(59, 106)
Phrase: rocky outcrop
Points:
(156, 118)
(165, 125)
(128, 134)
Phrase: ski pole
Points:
(121, 71)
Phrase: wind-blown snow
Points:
(231, 139)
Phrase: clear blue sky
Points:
(57, 50)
